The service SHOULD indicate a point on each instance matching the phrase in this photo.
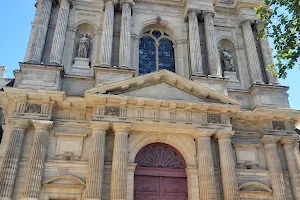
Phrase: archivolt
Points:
(163, 138)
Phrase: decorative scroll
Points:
(159, 155)
(112, 111)
(278, 125)
(214, 118)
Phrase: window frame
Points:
(164, 35)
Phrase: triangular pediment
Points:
(164, 85)
(164, 91)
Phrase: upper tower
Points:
(80, 44)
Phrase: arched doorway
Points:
(160, 174)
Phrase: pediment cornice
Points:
(158, 77)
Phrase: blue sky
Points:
(16, 17)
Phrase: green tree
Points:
(281, 19)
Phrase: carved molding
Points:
(255, 185)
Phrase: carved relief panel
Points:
(34, 109)
(69, 145)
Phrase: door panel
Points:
(173, 188)
(146, 188)
(160, 188)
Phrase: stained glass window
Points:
(166, 55)
(147, 57)
(156, 52)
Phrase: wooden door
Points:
(160, 188)
(160, 174)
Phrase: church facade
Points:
(147, 100)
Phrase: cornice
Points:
(164, 2)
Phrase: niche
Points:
(228, 59)
(83, 49)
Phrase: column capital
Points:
(122, 128)
(99, 126)
(289, 140)
(42, 125)
(191, 10)
(197, 11)
(191, 170)
(224, 134)
(244, 20)
(270, 139)
(19, 125)
(131, 167)
(204, 132)
(208, 12)
(113, 1)
(130, 2)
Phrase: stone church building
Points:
(147, 100)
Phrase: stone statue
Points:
(84, 45)
(228, 61)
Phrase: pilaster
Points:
(44, 7)
(193, 187)
(118, 190)
(10, 162)
(60, 33)
(96, 160)
(274, 166)
(107, 34)
(194, 39)
(125, 35)
(35, 166)
(229, 180)
(267, 58)
(213, 55)
(252, 54)
(207, 183)
(289, 144)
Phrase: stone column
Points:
(96, 161)
(274, 167)
(36, 161)
(289, 144)
(10, 162)
(252, 54)
(195, 47)
(118, 187)
(214, 64)
(125, 35)
(107, 34)
(192, 180)
(229, 181)
(58, 44)
(267, 57)
(130, 181)
(206, 172)
(44, 7)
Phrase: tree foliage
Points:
(281, 19)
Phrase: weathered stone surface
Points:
(103, 115)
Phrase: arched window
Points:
(156, 52)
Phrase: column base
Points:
(198, 74)
(54, 64)
(29, 199)
(92, 199)
(259, 82)
(5, 198)
(118, 199)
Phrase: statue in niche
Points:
(84, 44)
(228, 61)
